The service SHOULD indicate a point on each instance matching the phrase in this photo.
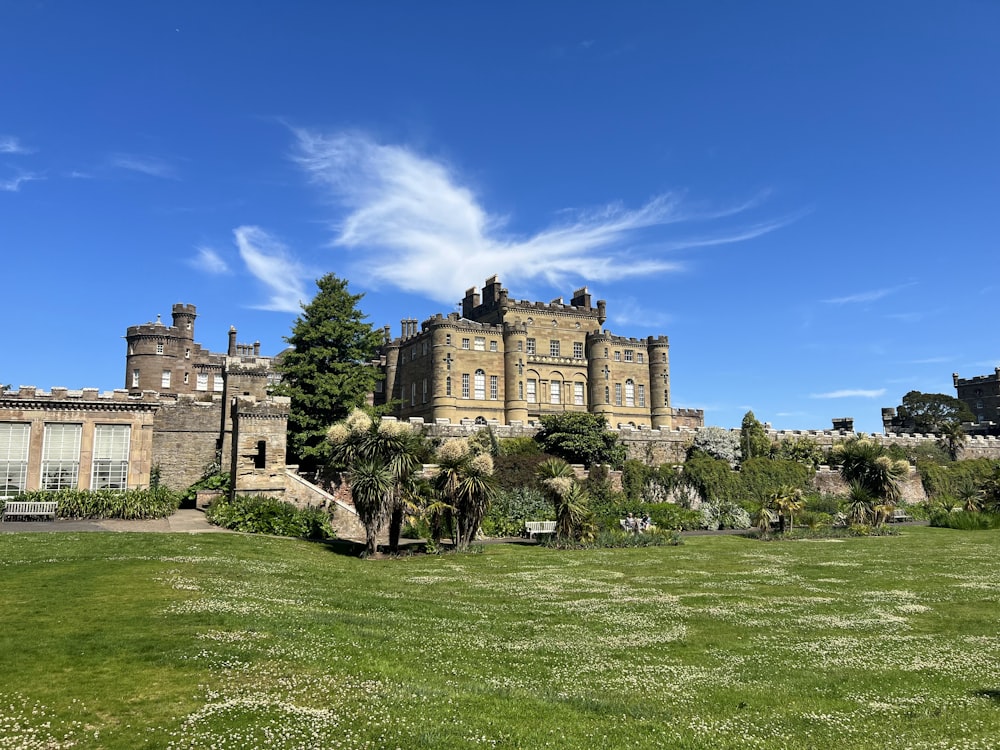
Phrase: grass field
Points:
(228, 641)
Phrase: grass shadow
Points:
(993, 695)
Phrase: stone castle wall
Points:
(186, 438)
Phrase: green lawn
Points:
(228, 641)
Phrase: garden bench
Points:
(899, 515)
(539, 527)
(18, 508)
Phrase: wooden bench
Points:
(899, 515)
(45, 509)
(539, 527)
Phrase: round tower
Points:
(658, 349)
(443, 390)
(515, 337)
(599, 373)
(184, 316)
(150, 355)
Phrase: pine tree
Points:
(328, 371)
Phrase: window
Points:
(664, 358)
(201, 382)
(628, 355)
(577, 350)
(493, 346)
(447, 339)
(424, 399)
(578, 394)
(618, 394)
(607, 394)
(447, 386)
(413, 394)
(553, 348)
(618, 356)
(413, 353)
(666, 397)
(639, 358)
(465, 343)
(629, 393)
(185, 378)
(494, 387)
(479, 344)
(61, 456)
(520, 346)
(423, 348)
(165, 379)
(159, 348)
(642, 395)
(520, 390)
(135, 378)
(218, 384)
(480, 385)
(555, 392)
(109, 470)
(187, 354)
(531, 346)
(532, 389)
(13, 457)
(465, 385)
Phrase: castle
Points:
(510, 362)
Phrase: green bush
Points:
(945, 479)
(519, 446)
(759, 478)
(610, 538)
(965, 521)
(511, 508)
(257, 514)
(130, 505)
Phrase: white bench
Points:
(44, 509)
(899, 515)
(539, 527)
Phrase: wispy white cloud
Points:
(629, 312)
(13, 184)
(851, 393)
(11, 145)
(269, 260)
(870, 296)
(151, 166)
(209, 261)
(423, 231)
(931, 361)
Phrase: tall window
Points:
(424, 399)
(555, 392)
(642, 395)
(465, 343)
(577, 350)
(447, 339)
(135, 378)
(187, 354)
(629, 393)
(185, 378)
(165, 379)
(520, 390)
(447, 386)
(61, 456)
(618, 394)
(553, 348)
(480, 385)
(494, 387)
(628, 355)
(639, 357)
(110, 466)
(578, 394)
(493, 346)
(218, 383)
(465, 385)
(607, 394)
(201, 381)
(532, 391)
(13, 457)
(479, 344)
(618, 356)
(413, 393)
(520, 346)
(531, 346)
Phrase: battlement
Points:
(90, 397)
(182, 309)
(977, 380)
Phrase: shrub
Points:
(520, 470)
(611, 538)
(257, 514)
(131, 505)
(511, 508)
(964, 520)
(718, 443)
(712, 478)
(519, 446)
(760, 478)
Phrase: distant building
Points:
(982, 395)
(506, 361)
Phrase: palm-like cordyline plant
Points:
(569, 499)
(786, 500)
(864, 462)
(372, 485)
(465, 481)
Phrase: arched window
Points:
(630, 392)
(480, 385)
(480, 420)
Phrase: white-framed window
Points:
(555, 392)
(607, 394)
(494, 387)
(201, 381)
(480, 383)
(187, 353)
(185, 378)
(630, 392)
(447, 386)
(109, 469)
(642, 394)
(218, 383)
(465, 385)
(577, 350)
(530, 344)
(618, 356)
(165, 379)
(629, 355)
(618, 394)
(61, 456)
(447, 339)
(578, 394)
(520, 390)
(554, 348)
(14, 441)
(159, 348)
(493, 346)
(532, 391)
(465, 343)
(639, 357)
(135, 378)
(479, 344)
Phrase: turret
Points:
(232, 341)
(514, 344)
(184, 316)
(658, 350)
(599, 373)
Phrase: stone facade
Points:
(982, 395)
(510, 362)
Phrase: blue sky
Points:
(802, 195)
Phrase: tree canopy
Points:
(754, 442)
(932, 412)
(580, 438)
(327, 372)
